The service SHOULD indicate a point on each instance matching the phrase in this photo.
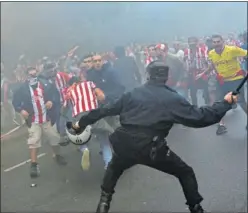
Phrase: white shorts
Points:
(39, 132)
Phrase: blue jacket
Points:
(107, 80)
(22, 99)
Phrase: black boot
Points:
(196, 209)
(104, 203)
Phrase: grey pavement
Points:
(220, 164)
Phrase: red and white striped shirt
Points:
(197, 61)
(82, 97)
(40, 111)
(61, 84)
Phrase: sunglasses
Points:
(98, 60)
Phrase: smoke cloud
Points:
(52, 28)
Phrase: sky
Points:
(51, 28)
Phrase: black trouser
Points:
(166, 161)
(194, 86)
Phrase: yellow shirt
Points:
(226, 63)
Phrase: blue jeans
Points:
(61, 122)
(102, 137)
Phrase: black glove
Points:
(69, 125)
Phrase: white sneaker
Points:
(85, 162)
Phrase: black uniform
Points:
(146, 115)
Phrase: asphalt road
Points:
(220, 164)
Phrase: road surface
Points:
(219, 162)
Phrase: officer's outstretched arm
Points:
(97, 114)
(198, 117)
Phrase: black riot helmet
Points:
(157, 71)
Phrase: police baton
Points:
(237, 91)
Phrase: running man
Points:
(224, 60)
(84, 97)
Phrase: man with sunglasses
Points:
(35, 101)
(224, 60)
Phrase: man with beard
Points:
(126, 69)
(224, 60)
(147, 114)
(106, 79)
(196, 61)
(35, 101)
(85, 64)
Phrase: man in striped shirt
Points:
(35, 101)
(196, 60)
(84, 96)
(60, 81)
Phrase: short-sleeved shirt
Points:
(226, 63)
(82, 97)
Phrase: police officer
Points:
(146, 115)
